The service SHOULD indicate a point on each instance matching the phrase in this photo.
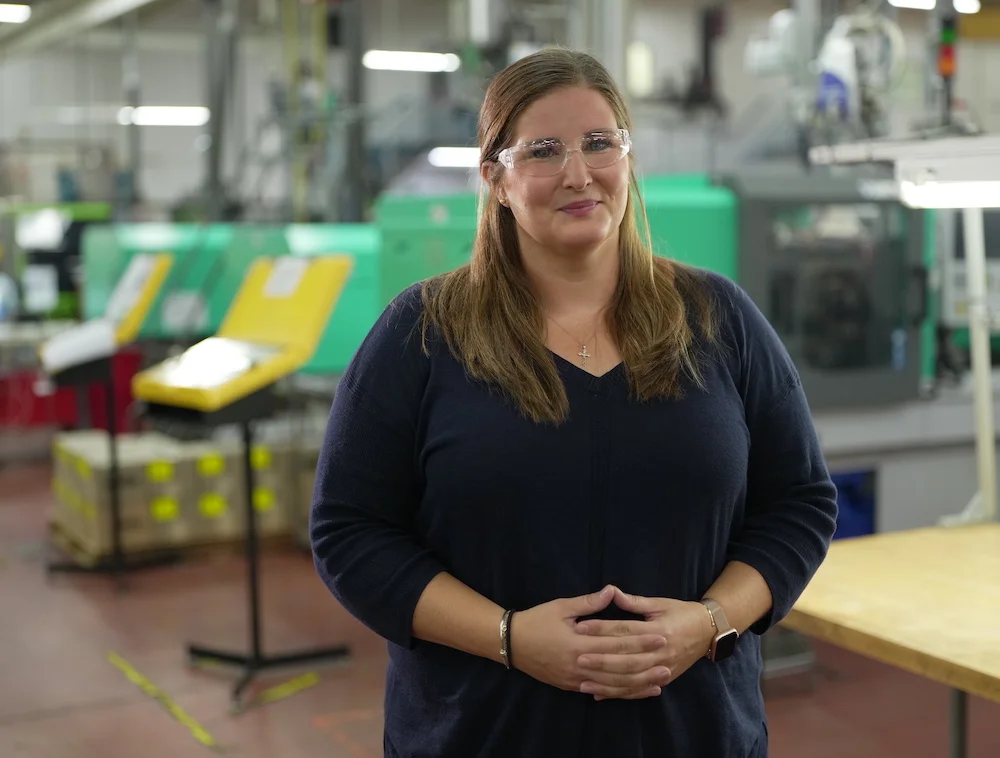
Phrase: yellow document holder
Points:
(79, 348)
(270, 331)
(82, 355)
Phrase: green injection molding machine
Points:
(842, 276)
(422, 236)
(211, 261)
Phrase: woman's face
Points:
(571, 207)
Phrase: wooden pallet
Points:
(189, 553)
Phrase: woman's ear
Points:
(491, 175)
(486, 172)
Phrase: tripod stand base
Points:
(252, 666)
(111, 567)
(129, 566)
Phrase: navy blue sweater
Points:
(424, 470)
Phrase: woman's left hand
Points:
(687, 627)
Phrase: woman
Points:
(570, 483)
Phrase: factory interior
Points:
(173, 171)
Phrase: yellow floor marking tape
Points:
(288, 689)
(197, 730)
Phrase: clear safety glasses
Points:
(548, 157)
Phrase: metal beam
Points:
(132, 80)
(222, 19)
(354, 193)
(54, 22)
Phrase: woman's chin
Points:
(581, 241)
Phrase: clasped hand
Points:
(627, 660)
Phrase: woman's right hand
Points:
(545, 645)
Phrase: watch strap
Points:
(718, 615)
(723, 629)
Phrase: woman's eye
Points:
(599, 144)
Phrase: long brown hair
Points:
(486, 312)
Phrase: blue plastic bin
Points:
(856, 503)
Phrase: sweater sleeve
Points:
(367, 487)
(791, 505)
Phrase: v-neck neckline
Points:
(571, 369)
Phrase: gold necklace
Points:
(583, 352)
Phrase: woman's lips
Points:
(580, 208)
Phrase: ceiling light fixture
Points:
(164, 115)
(14, 14)
(401, 60)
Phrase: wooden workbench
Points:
(926, 600)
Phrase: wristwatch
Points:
(724, 643)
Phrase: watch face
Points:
(725, 645)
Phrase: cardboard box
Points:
(219, 486)
(175, 493)
(154, 482)
(304, 481)
(69, 450)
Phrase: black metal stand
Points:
(118, 564)
(959, 724)
(256, 660)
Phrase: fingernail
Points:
(585, 661)
(586, 688)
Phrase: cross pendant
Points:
(584, 354)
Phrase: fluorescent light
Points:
(14, 14)
(454, 157)
(640, 69)
(401, 60)
(917, 5)
(164, 115)
(967, 6)
(950, 194)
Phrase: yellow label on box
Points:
(263, 499)
(260, 458)
(82, 468)
(212, 506)
(210, 466)
(160, 472)
(165, 509)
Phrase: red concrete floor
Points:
(60, 696)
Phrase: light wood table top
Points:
(926, 600)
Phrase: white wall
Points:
(88, 73)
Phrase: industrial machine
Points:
(841, 272)
(840, 269)
(423, 236)
(842, 70)
(842, 275)
(40, 249)
(211, 263)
